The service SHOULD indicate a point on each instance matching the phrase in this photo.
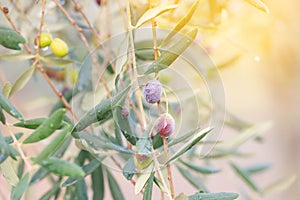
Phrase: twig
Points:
(22, 154)
(169, 168)
(138, 92)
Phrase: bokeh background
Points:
(262, 85)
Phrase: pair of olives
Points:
(165, 124)
(57, 45)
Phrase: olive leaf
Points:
(10, 38)
(244, 176)
(199, 136)
(9, 108)
(17, 57)
(152, 13)
(62, 167)
(191, 178)
(169, 55)
(22, 80)
(20, 188)
(115, 190)
(98, 183)
(259, 4)
(148, 189)
(182, 22)
(101, 110)
(47, 127)
(88, 169)
(214, 196)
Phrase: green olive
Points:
(59, 47)
(45, 39)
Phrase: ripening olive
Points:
(59, 47)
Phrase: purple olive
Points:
(165, 125)
(153, 91)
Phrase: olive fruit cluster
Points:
(58, 46)
(165, 124)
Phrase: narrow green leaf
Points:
(123, 54)
(157, 141)
(53, 60)
(148, 189)
(84, 82)
(141, 182)
(256, 168)
(39, 175)
(10, 140)
(214, 196)
(259, 4)
(170, 55)
(199, 136)
(152, 13)
(19, 189)
(182, 22)
(129, 169)
(200, 169)
(9, 108)
(245, 176)
(53, 146)
(181, 196)
(62, 167)
(184, 137)
(31, 123)
(47, 127)
(123, 123)
(115, 190)
(144, 145)
(94, 142)
(3, 158)
(6, 89)
(101, 110)
(20, 169)
(280, 185)
(160, 185)
(17, 57)
(248, 134)
(98, 183)
(51, 192)
(7, 149)
(2, 117)
(10, 38)
(88, 169)
(194, 180)
(9, 173)
(80, 190)
(22, 80)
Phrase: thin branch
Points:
(134, 66)
(18, 144)
(169, 168)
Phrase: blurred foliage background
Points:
(259, 59)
